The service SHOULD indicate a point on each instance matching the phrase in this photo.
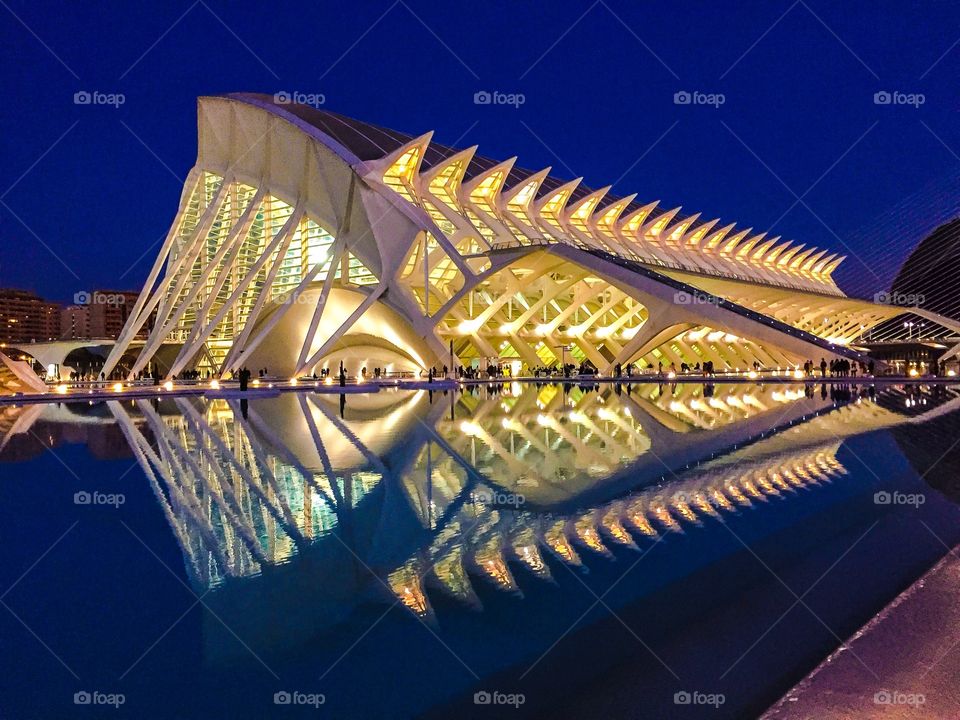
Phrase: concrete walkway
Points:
(910, 655)
(111, 390)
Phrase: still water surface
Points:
(586, 550)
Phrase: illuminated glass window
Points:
(446, 183)
(550, 211)
(580, 216)
(399, 176)
(484, 193)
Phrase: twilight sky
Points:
(799, 146)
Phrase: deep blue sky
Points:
(599, 80)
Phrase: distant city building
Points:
(26, 317)
(109, 310)
(75, 322)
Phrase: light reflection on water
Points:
(299, 516)
(490, 477)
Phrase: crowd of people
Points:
(840, 367)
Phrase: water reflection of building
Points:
(28, 431)
(425, 490)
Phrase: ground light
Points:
(752, 374)
(798, 374)
(214, 384)
(61, 389)
(118, 387)
(168, 385)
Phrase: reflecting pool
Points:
(549, 550)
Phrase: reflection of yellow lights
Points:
(559, 543)
(494, 566)
(663, 515)
(640, 522)
(118, 387)
(168, 385)
(61, 389)
(720, 499)
(683, 507)
(589, 536)
(256, 383)
(530, 556)
(612, 525)
(408, 591)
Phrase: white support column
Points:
(338, 250)
(183, 263)
(348, 323)
(282, 239)
(138, 316)
(242, 345)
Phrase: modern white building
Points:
(305, 238)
